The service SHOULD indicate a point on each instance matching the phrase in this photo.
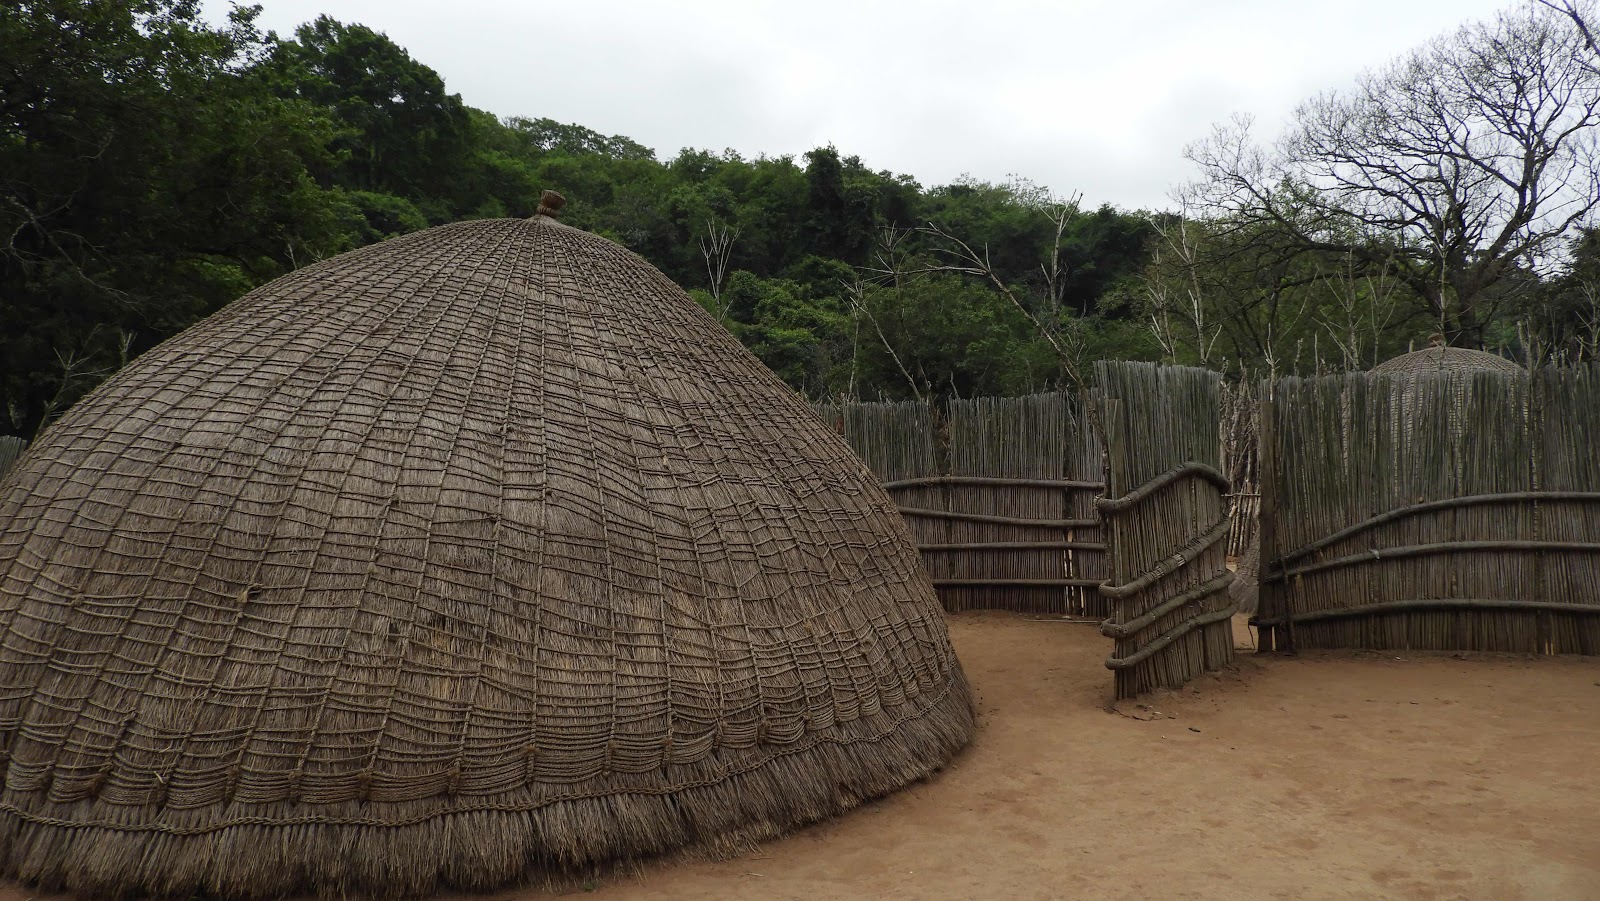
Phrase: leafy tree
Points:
(146, 178)
(841, 202)
(401, 133)
(1567, 326)
(798, 332)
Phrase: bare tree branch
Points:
(717, 249)
(855, 293)
(1450, 171)
(1067, 345)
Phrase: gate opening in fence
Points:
(1108, 505)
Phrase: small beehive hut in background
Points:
(1436, 358)
(475, 556)
(1440, 358)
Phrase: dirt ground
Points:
(1319, 777)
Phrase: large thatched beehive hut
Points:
(473, 556)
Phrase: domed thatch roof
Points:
(1447, 359)
(469, 557)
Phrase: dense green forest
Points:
(154, 167)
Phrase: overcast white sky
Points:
(1079, 95)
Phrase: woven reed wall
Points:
(1011, 460)
(1166, 524)
(1435, 511)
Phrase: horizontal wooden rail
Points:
(1426, 550)
(1474, 500)
(1428, 605)
(999, 520)
(1017, 546)
(1171, 564)
(1186, 471)
(1015, 583)
(1148, 618)
(930, 481)
(1177, 632)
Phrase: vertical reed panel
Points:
(1035, 437)
(11, 448)
(1157, 419)
(1341, 450)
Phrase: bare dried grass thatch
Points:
(1440, 358)
(472, 557)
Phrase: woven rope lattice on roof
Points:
(466, 558)
(1447, 359)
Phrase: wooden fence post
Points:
(1269, 558)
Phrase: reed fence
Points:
(11, 447)
(1447, 511)
(1240, 412)
(998, 493)
(1166, 523)
(1244, 521)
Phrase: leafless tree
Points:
(1174, 301)
(1223, 296)
(717, 249)
(1060, 211)
(1583, 15)
(891, 260)
(1364, 306)
(892, 268)
(79, 370)
(1450, 170)
(1041, 304)
(1064, 334)
(855, 293)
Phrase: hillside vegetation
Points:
(155, 166)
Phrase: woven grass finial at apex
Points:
(550, 204)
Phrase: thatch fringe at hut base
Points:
(280, 850)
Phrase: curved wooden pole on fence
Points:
(1431, 506)
(928, 481)
(1019, 583)
(1431, 605)
(1187, 470)
(1001, 520)
(1177, 632)
(1017, 546)
(1424, 550)
(1112, 629)
(1171, 564)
